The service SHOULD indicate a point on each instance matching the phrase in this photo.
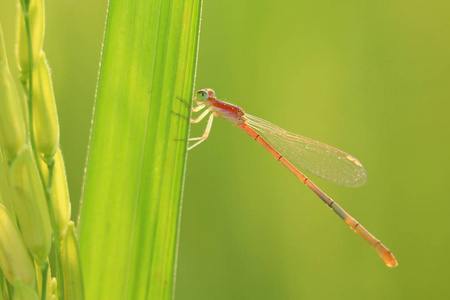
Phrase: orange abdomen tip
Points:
(390, 260)
(386, 255)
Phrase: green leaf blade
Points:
(132, 191)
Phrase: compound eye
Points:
(202, 95)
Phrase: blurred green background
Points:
(370, 78)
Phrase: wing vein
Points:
(315, 157)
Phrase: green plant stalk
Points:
(56, 239)
(44, 270)
(10, 289)
(50, 165)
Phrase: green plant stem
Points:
(50, 165)
(56, 237)
(10, 289)
(44, 270)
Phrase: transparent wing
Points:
(319, 159)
